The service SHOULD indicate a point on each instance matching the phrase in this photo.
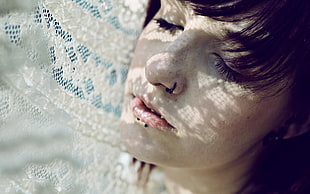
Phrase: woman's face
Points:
(209, 119)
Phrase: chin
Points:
(137, 144)
(141, 146)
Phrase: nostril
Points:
(170, 90)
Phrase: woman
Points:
(218, 97)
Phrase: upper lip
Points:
(146, 101)
(149, 105)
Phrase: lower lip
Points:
(148, 117)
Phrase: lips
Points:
(149, 116)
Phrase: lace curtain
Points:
(63, 64)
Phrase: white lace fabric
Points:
(63, 64)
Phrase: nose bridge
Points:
(169, 67)
(182, 43)
(174, 55)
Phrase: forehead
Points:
(188, 8)
(179, 3)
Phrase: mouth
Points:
(147, 116)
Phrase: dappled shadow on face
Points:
(216, 121)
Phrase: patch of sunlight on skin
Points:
(222, 93)
(221, 117)
(202, 22)
(161, 59)
(208, 25)
(217, 96)
(156, 34)
(238, 91)
(222, 101)
(209, 137)
(214, 122)
(188, 113)
(135, 75)
(194, 122)
(126, 115)
(150, 90)
(206, 81)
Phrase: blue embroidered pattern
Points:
(73, 71)
(13, 32)
(76, 52)
(104, 14)
(89, 7)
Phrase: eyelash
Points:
(171, 28)
(224, 70)
(220, 65)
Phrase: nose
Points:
(163, 69)
(170, 67)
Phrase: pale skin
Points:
(218, 125)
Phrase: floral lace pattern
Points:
(63, 64)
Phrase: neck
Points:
(226, 179)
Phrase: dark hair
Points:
(278, 41)
(277, 38)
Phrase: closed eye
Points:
(224, 70)
(171, 28)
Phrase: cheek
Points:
(212, 137)
(229, 104)
(225, 116)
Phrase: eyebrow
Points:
(193, 4)
(182, 1)
(185, 2)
